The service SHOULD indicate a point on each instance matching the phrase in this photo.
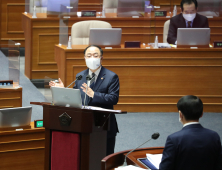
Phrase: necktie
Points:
(92, 85)
(189, 24)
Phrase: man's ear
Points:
(201, 115)
(181, 10)
(181, 115)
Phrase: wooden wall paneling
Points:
(23, 160)
(10, 98)
(11, 27)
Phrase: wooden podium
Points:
(90, 125)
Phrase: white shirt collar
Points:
(191, 123)
(96, 73)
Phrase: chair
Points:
(165, 31)
(80, 30)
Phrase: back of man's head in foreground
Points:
(191, 107)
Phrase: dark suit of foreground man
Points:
(189, 13)
(194, 147)
(105, 91)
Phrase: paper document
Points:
(100, 109)
(155, 159)
(129, 167)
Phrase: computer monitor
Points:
(55, 7)
(105, 36)
(66, 97)
(129, 8)
(193, 37)
(15, 117)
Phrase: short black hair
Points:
(100, 49)
(191, 107)
(188, 2)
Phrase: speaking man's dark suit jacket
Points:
(106, 94)
(192, 148)
(178, 21)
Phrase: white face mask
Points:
(189, 17)
(93, 63)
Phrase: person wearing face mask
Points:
(104, 92)
(194, 147)
(189, 18)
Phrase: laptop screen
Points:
(193, 36)
(15, 117)
(105, 36)
(66, 97)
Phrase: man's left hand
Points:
(90, 92)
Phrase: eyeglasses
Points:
(95, 55)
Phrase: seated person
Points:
(194, 147)
(189, 18)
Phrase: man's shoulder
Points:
(186, 131)
(201, 16)
(109, 72)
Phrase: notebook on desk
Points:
(15, 117)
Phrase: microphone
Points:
(88, 78)
(77, 78)
(154, 136)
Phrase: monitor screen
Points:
(59, 6)
(130, 8)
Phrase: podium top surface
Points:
(97, 111)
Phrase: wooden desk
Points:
(153, 80)
(10, 97)
(22, 150)
(42, 34)
(115, 160)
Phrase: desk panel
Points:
(154, 79)
(23, 149)
(10, 97)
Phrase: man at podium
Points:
(104, 92)
(194, 147)
(189, 18)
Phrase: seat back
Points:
(165, 31)
(80, 30)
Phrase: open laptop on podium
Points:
(66, 97)
(193, 37)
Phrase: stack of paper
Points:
(129, 167)
(155, 159)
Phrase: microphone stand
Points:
(88, 78)
(77, 78)
(124, 163)
(154, 136)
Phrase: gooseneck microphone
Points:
(77, 78)
(154, 136)
(88, 78)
